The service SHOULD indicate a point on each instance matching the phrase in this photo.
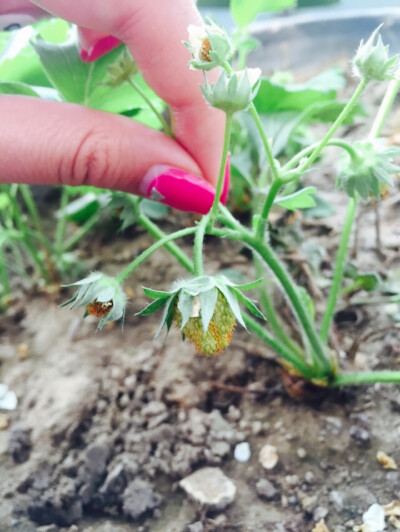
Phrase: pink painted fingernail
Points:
(92, 47)
(179, 189)
(227, 178)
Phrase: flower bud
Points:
(368, 169)
(233, 92)
(209, 45)
(372, 61)
(122, 70)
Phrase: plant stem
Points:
(322, 365)
(280, 349)
(214, 208)
(382, 113)
(338, 122)
(166, 127)
(62, 222)
(384, 108)
(126, 272)
(175, 250)
(198, 246)
(367, 377)
(80, 233)
(265, 141)
(23, 228)
(338, 271)
(270, 313)
(303, 153)
(269, 201)
(29, 202)
(3, 274)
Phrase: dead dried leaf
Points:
(320, 527)
(394, 521)
(385, 460)
(392, 508)
(22, 350)
(3, 422)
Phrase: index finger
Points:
(154, 32)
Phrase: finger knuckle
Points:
(90, 161)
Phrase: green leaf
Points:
(307, 301)
(275, 96)
(64, 68)
(245, 11)
(4, 201)
(122, 203)
(321, 209)
(7, 87)
(153, 209)
(302, 199)
(83, 208)
(368, 281)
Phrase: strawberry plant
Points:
(267, 167)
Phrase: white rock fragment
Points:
(8, 399)
(242, 452)
(268, 456)
(374, 519)
(210, 487)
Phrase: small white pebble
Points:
(268, 456)
(242, 452)
(301, 453)
(374, 518)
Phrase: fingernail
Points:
(227, 178)
(178, 189)
(92, 50)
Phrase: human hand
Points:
(47, 142)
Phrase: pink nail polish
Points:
(89, 53)
(227, 178)
(181, 190)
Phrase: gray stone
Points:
(360, 435)
(210, 487)
(19, 442)
(139, 498)
(195, 527)
(336, 499)
(266, 490)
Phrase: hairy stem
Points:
(224, 158)
(278, 347)
(367, 377)
(321, 362)
(338, 271)
(126, 272)
(166, 127)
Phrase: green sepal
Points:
(232, 301)
(208, 301)
(247, 286)
(185, 306)
(156, 294)
(152, 307)
(167, 317)
(249, 304)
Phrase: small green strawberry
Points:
(204, 308)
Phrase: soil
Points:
(109, 422)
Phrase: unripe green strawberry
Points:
(219, 333)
